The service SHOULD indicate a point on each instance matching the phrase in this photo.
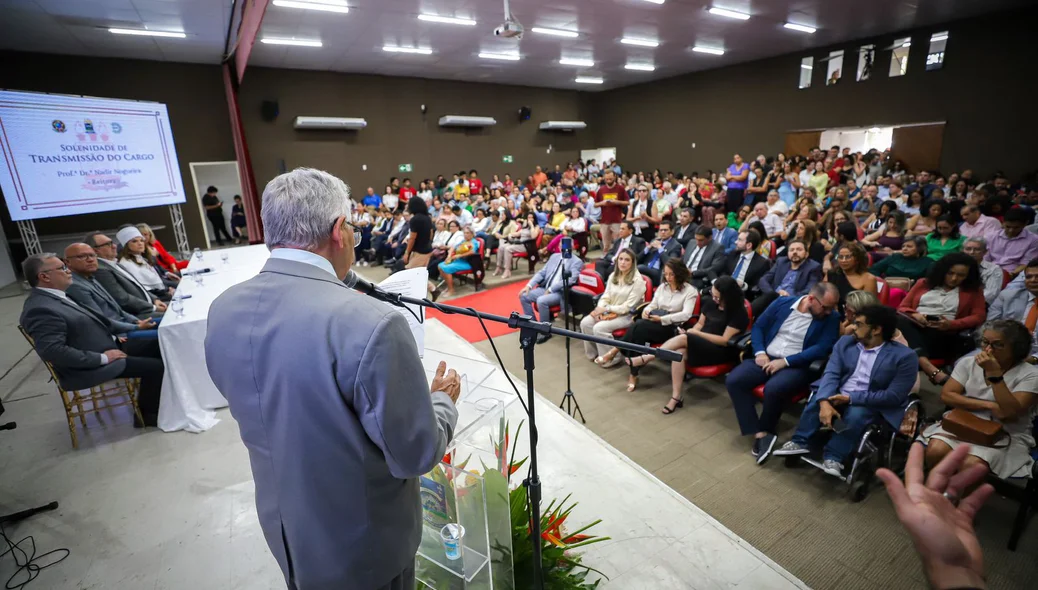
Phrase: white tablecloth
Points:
(189, 396)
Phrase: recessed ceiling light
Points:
(393, 49)
(710, 50)
(501, 56)
(572, 61)
(729, 13)
(325, 5)
(801, 28)
(640, 67)
(639, 42)
(146, 33)
(655, 1)
(585, 80)
(296, 42)
(807, 67)
(450, 20)
(555, 32)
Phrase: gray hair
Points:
(979, 241)
(32, 265)
(299, 208)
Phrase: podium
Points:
(470, 487)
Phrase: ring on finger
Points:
(952, 497)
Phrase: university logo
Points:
(117, 128)
(58, 125)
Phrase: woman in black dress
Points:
(722, 317)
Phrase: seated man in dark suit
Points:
(685, 231)
(86, 291)
(723, 234)
(627, 239)
(868, 376)
(80, 344)
(790, 335)
(548, 288)
(744, 264)
(792, 276)
(657, 253)
(704, 258)
(121, 285)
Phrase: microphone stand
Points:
(528, 332)
(569, 400)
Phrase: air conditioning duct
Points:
(466, 121)
(562, 125)
(329, 123)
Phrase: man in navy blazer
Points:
(793, 275)
(791, 334)
(545, 289)
(868, 376)
(723, 234)
(658, 252)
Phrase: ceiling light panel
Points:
(588, 80)
(801, 28)
(322, 5)
(418, 50)
(554, 32)
(729, 13)
(147, 33)
(710, 50)
(500, 56)
(640, 67)
(449, 20)
(640, 42)
(294, 42)
(572, 61)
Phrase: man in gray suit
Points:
(330, 396)
(86, 291)
(705, 259)
(127, 292)
(81, 344)
(545, 289)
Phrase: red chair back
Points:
(590, 281)
(883, 291)
(1006, 278)
(648, 288)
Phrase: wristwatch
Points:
(996, 379)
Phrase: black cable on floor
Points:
(28, 565)
(11, 368)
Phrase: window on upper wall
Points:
(807, 66)
(835, 67)
(935, 56)
(899, 59)
(866, 57)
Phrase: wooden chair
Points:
(79, 403)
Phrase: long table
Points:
(189, 396)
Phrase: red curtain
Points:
(250, 196)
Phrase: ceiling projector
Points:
(510, 29)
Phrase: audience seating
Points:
(648, 299)
(477, 274)
(532, 254)
(80, 403)
(712, 371)
(1025, 495)
(883, 291)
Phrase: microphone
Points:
(188, 273)
(358, 283)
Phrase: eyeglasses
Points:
(108, 243)
(844, 257)
(996, 345)
(62, 268)
(973, 250)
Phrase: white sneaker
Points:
(833, 467)
(791, 448)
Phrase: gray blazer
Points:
(129, 294)
(333, 405)
(90, 293)
(71, 339)
(711, 261)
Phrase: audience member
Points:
(793, 275)
(772, 223)
(851, 271)
(157, 252)
(526, 231)
(911, 262)
(944, 239)
(685, 231)
(545, 289)
(744, 264)
(723, 234)
(1019, 304)
(132, 259)
(737, 177)
(611, 199)
(991, 275)
(214, 212)
(120, 284)
(460, 257)
(704, 260)
(80, 344)
(889, 238)
(87, 292)
(868, 377)
(790, 335)
(571, 227)
(656, 254)
(625, 290)
(994, 386)
(939, 309)
(625, 239)
(977, 225)
(1012, 248)
(419, 246)
(723, 316)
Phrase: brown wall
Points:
(397, 132)
(748, 108)
(198, 115)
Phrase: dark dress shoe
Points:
(542, 338)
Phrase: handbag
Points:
(967, 427)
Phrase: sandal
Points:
(605, 359)
(680, 404)
(638, 361)
(933, 377)
(632, 383)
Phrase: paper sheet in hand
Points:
(412, 282)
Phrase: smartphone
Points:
(933, 318)
(838, 425)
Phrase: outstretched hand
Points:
(941, 530)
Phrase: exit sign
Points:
(405, 168)
(506, 159)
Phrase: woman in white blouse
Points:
(132, 258)
(671, 306)
(625, 290)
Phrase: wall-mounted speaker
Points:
(524, 114)
(269, 110)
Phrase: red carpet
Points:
(501, 300)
